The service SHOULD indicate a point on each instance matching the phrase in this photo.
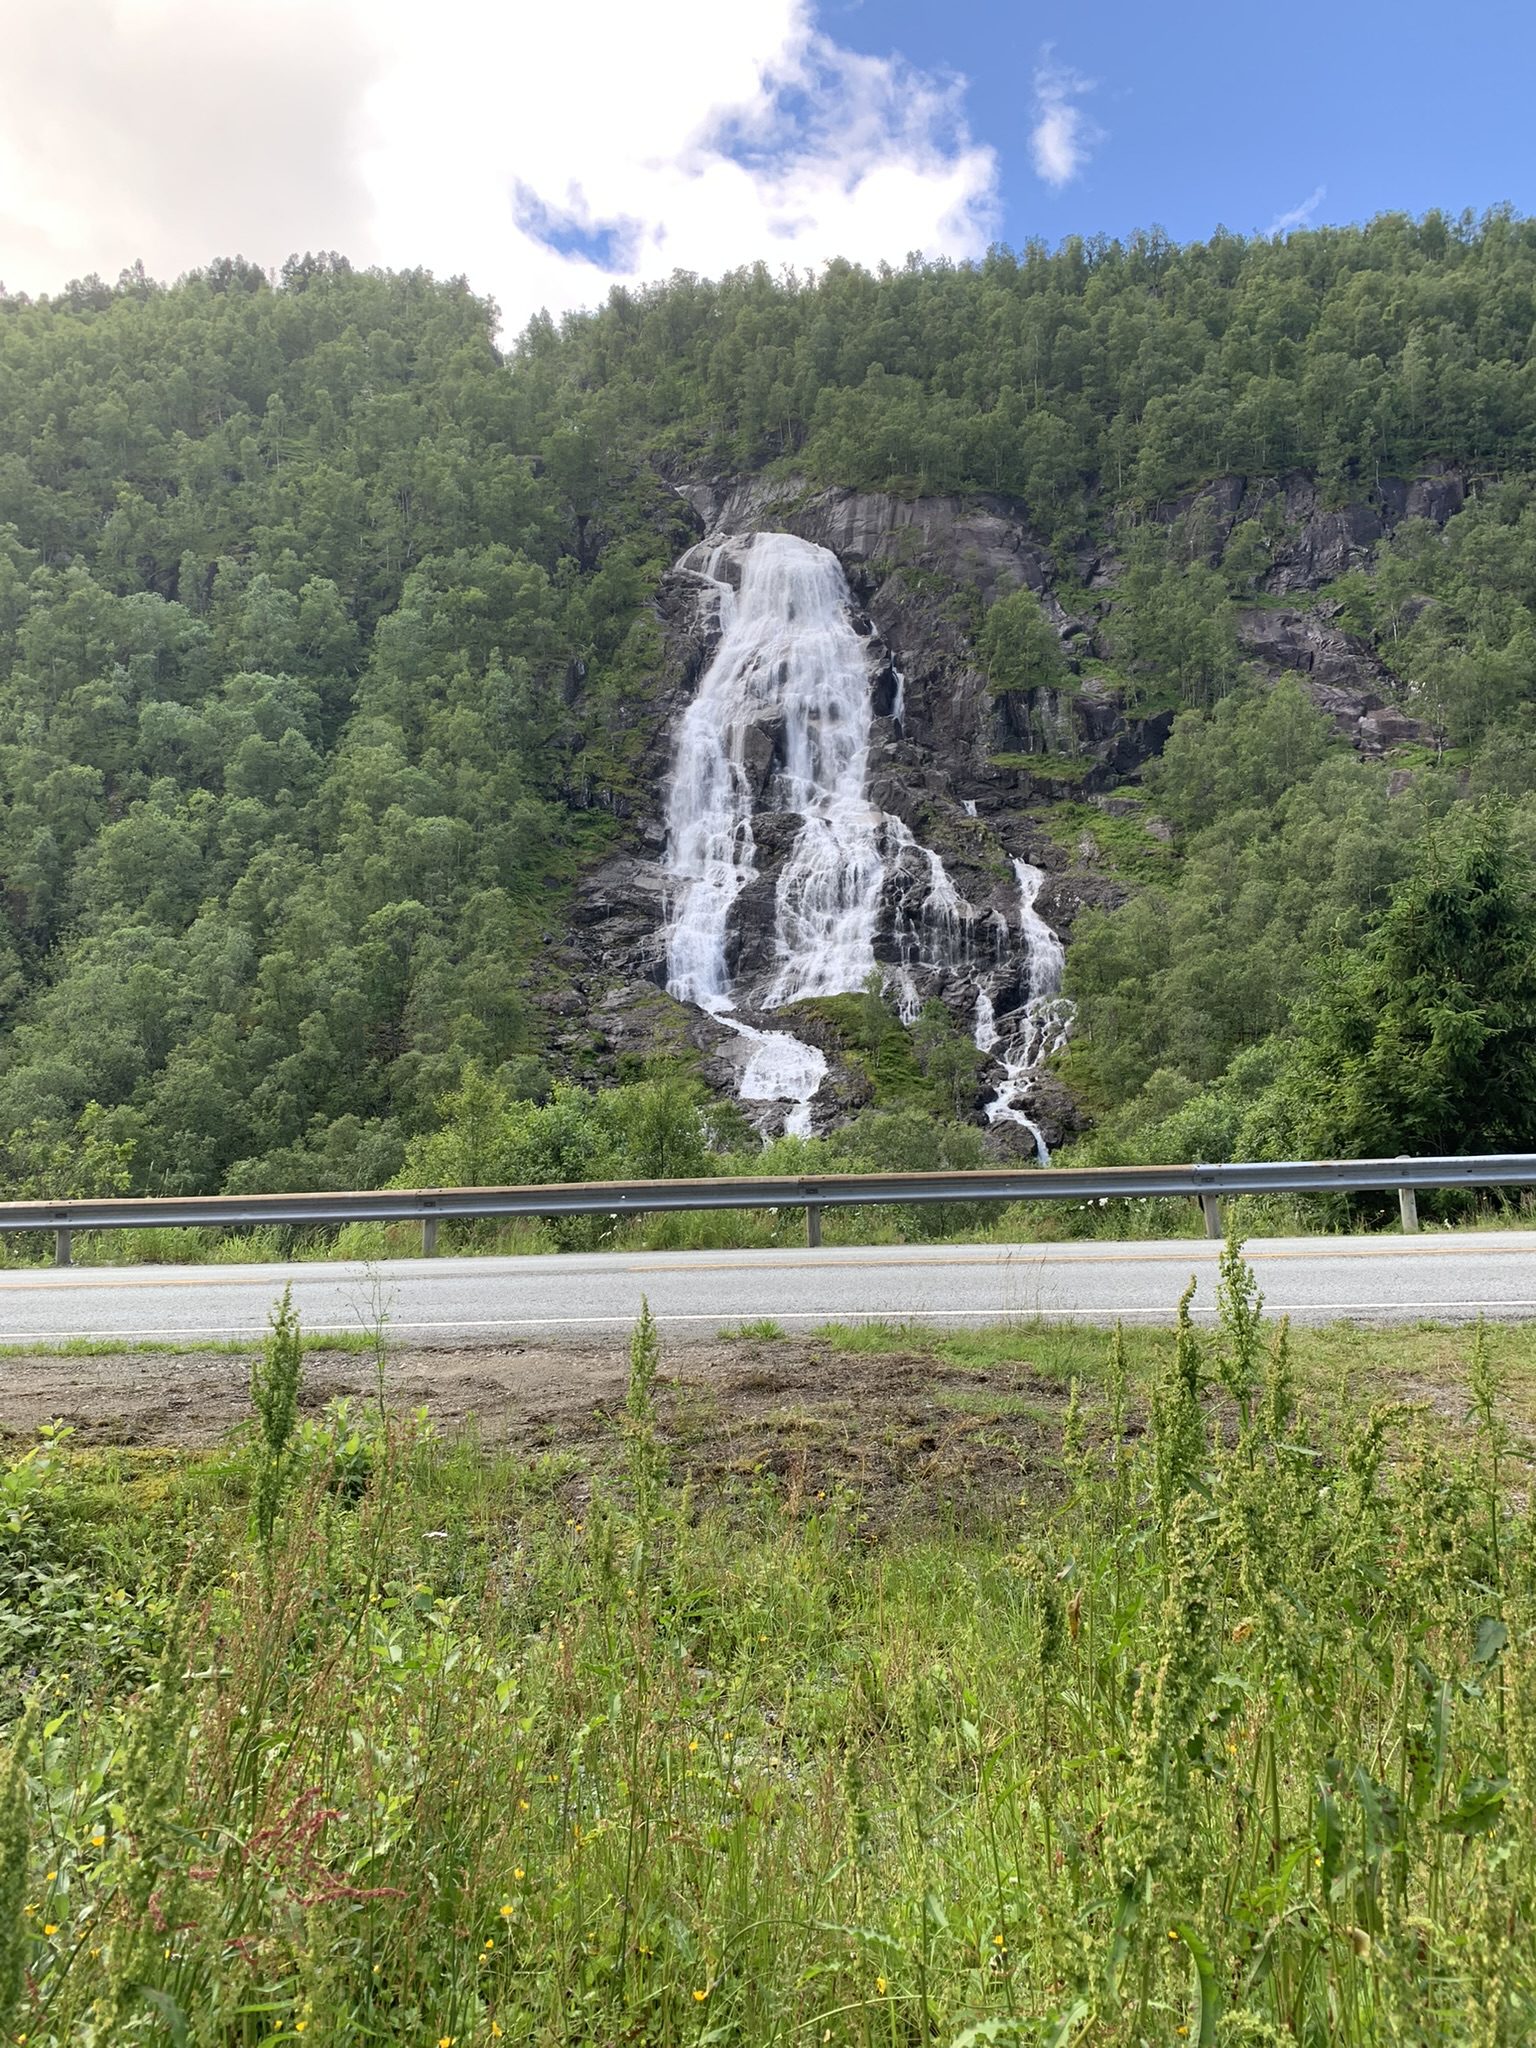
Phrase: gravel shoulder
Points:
(892, 1425)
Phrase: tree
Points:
(1020, 648)
(1425, 1039)
(950, 1062)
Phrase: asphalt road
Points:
(1377, 1279)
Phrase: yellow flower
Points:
(52, 1927)
(506, 1912)
(446, 2040)
(495, 2030)
(519, 1872)
(299, 2026)
(726, 1736)
(880, 1986)
(49, 1876)
(998, 1941)
(489, 1943)
(98, 1837)
(522, 1806)
(699, 1997)
(694, 1744)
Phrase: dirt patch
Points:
(893, 1427)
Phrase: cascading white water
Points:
(1042, 1025)
(791, 678)
(782, 723)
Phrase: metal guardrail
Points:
(813, 1193)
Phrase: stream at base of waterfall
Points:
(782, 725)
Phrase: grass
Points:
(1126, 848)
(1227, 1733)
(366, 1341)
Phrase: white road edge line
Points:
(1329, 1310)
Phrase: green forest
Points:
(327, 645)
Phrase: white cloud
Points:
(1298, 216)
(545, 151)
(1063, 137)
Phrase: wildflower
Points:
(446, 2040)
(694, 1744)
(98, 1837)
(522, 1806)
(489, 1943)
(506, 1913)
(49, 1876)
(299, 2026)
(1173, 1934)
(699, 1997)
(52, 1927)
(880, 1986)
(726, 1736)
(495, 2030)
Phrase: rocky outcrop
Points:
(1339, 671)
(984, 543)
(1310, 541)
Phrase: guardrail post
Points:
(428, 1236)
(1408, 1208)
(813, 1223)
(61, 1246)
(1211, 1204)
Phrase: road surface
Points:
(1377, 1279)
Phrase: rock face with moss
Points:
(1016, 699)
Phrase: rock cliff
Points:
(975, 773)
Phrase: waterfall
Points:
(780, 729)
(1042, 1025)
(781, 723)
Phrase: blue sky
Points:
(1235, 113)
(550, 152)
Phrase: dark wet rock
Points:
(1437, 498)
(1064, 897)
(983, 542)
(1390, 728)
(1341, 674)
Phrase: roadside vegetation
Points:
(1222, 1730)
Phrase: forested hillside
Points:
(329, 662)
